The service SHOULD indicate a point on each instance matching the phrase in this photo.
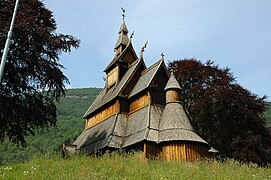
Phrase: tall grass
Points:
(118, 166)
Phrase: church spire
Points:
(123, 39)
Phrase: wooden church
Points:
(139, 109)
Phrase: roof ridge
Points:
(177, 128)
(151, 67)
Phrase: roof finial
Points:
(162, 55)
(143, 49)
(123, 13)
(131, 36)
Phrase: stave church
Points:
(139, 109)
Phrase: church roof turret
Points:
(124, 51)
(172, 83)
(123, 36)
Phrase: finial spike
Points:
(162, 55)
(123, 13)
(131, 36)
(143, 49)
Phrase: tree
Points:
(32, 80)
(224, 113)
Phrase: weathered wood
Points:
(129, 57)
(159, 83)
(139, 102)
(151, 150)
(103, 115)
(172, 96)
(176, 151)
(112, 76)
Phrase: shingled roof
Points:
(172, 83)
(140, 117)
(174, 124)
(107, 95)
(119, 57)
(123, 38)
(146, 78)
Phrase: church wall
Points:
(182, 151)
(195, 151)
(103, 115)
(172, 96)
(122, 70)
(151, 150)
(158, 97)
(157, 92)
(129, 57)
(124, 105)
(139, 102)
(112, 76)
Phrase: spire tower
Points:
(123, 39)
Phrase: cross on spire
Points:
(123, 12)
(162, 55)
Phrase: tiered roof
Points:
(153, 123)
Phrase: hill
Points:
(70, 125)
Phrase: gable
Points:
(147, 77)
(108, 95)
(128, 55)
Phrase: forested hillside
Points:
(70, 125)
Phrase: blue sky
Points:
(233, 33)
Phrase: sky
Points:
(233, 33)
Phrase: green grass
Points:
(30, 163)
(116, 166)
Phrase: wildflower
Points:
(34, 167)
(7, 168)
(25, 173)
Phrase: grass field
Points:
(70, 125)
(116, 166)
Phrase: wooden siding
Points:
(151, 150)
(158, 97)
(129, 57)
(157, 92)
(112, 76)
(119, 50)
(176, 151)
(139, 102)
(102, 115)
(173, 96)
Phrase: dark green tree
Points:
(32, 80)
(224, 113)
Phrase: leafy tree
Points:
(32, 79)
(224, 113)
